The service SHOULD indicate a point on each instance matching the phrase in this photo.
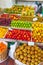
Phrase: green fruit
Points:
(21, 24)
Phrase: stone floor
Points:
(9, 61)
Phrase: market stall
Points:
(21, 35)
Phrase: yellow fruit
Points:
(24, 50)
(28, 55)
(36, 59)
(3, 31)
(31, 54)
(36, 63)
(36, 56)
(25, 58)
(25, 54)
(37, 33)
(23, 61)
(21, 56)
(17, 50)
(29, 59)
(20, 52)
(19, 59)
(22, 47)
(17, 53)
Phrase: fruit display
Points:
(4, 16)
(28, 11)
(3, 32)
(37, 26)
(21, 24)
(28, 54)
(17, 34)
(27, 18)
(5, 21)
(11, 16)
(3, 51)
(40, 19)
(37, 32)
(20, 9)
(14, 17)
(15, 9)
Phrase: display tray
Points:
(13, 48)
(27, 18)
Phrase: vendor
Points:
(39, 7)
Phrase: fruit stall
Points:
(21, 35)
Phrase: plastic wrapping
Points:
(2, 55)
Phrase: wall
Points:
(6, 3)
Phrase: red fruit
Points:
(19, 35)
(5, 15)
(28, 39)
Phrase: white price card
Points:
(10, 28)
(35, 19)
(31, 43)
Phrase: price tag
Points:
(10, 28)
(35, 19)
(31, 43)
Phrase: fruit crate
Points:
(20, 24)
(37, 32)
(24, 53)
(30, 18)
(27, 18)
(38, 25)
(16, 34)
(39, 19)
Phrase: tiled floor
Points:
(9, 61)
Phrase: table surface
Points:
(9, 61)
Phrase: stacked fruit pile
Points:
(3, 32)
(5, 21)
(40, 19)
(14, 17)
(37, 33)
(17, 34)
(4, 16)
(23, 10)
(15, 9)
(27, 18)
(29, 54)
(28, 11)
(21, 24)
